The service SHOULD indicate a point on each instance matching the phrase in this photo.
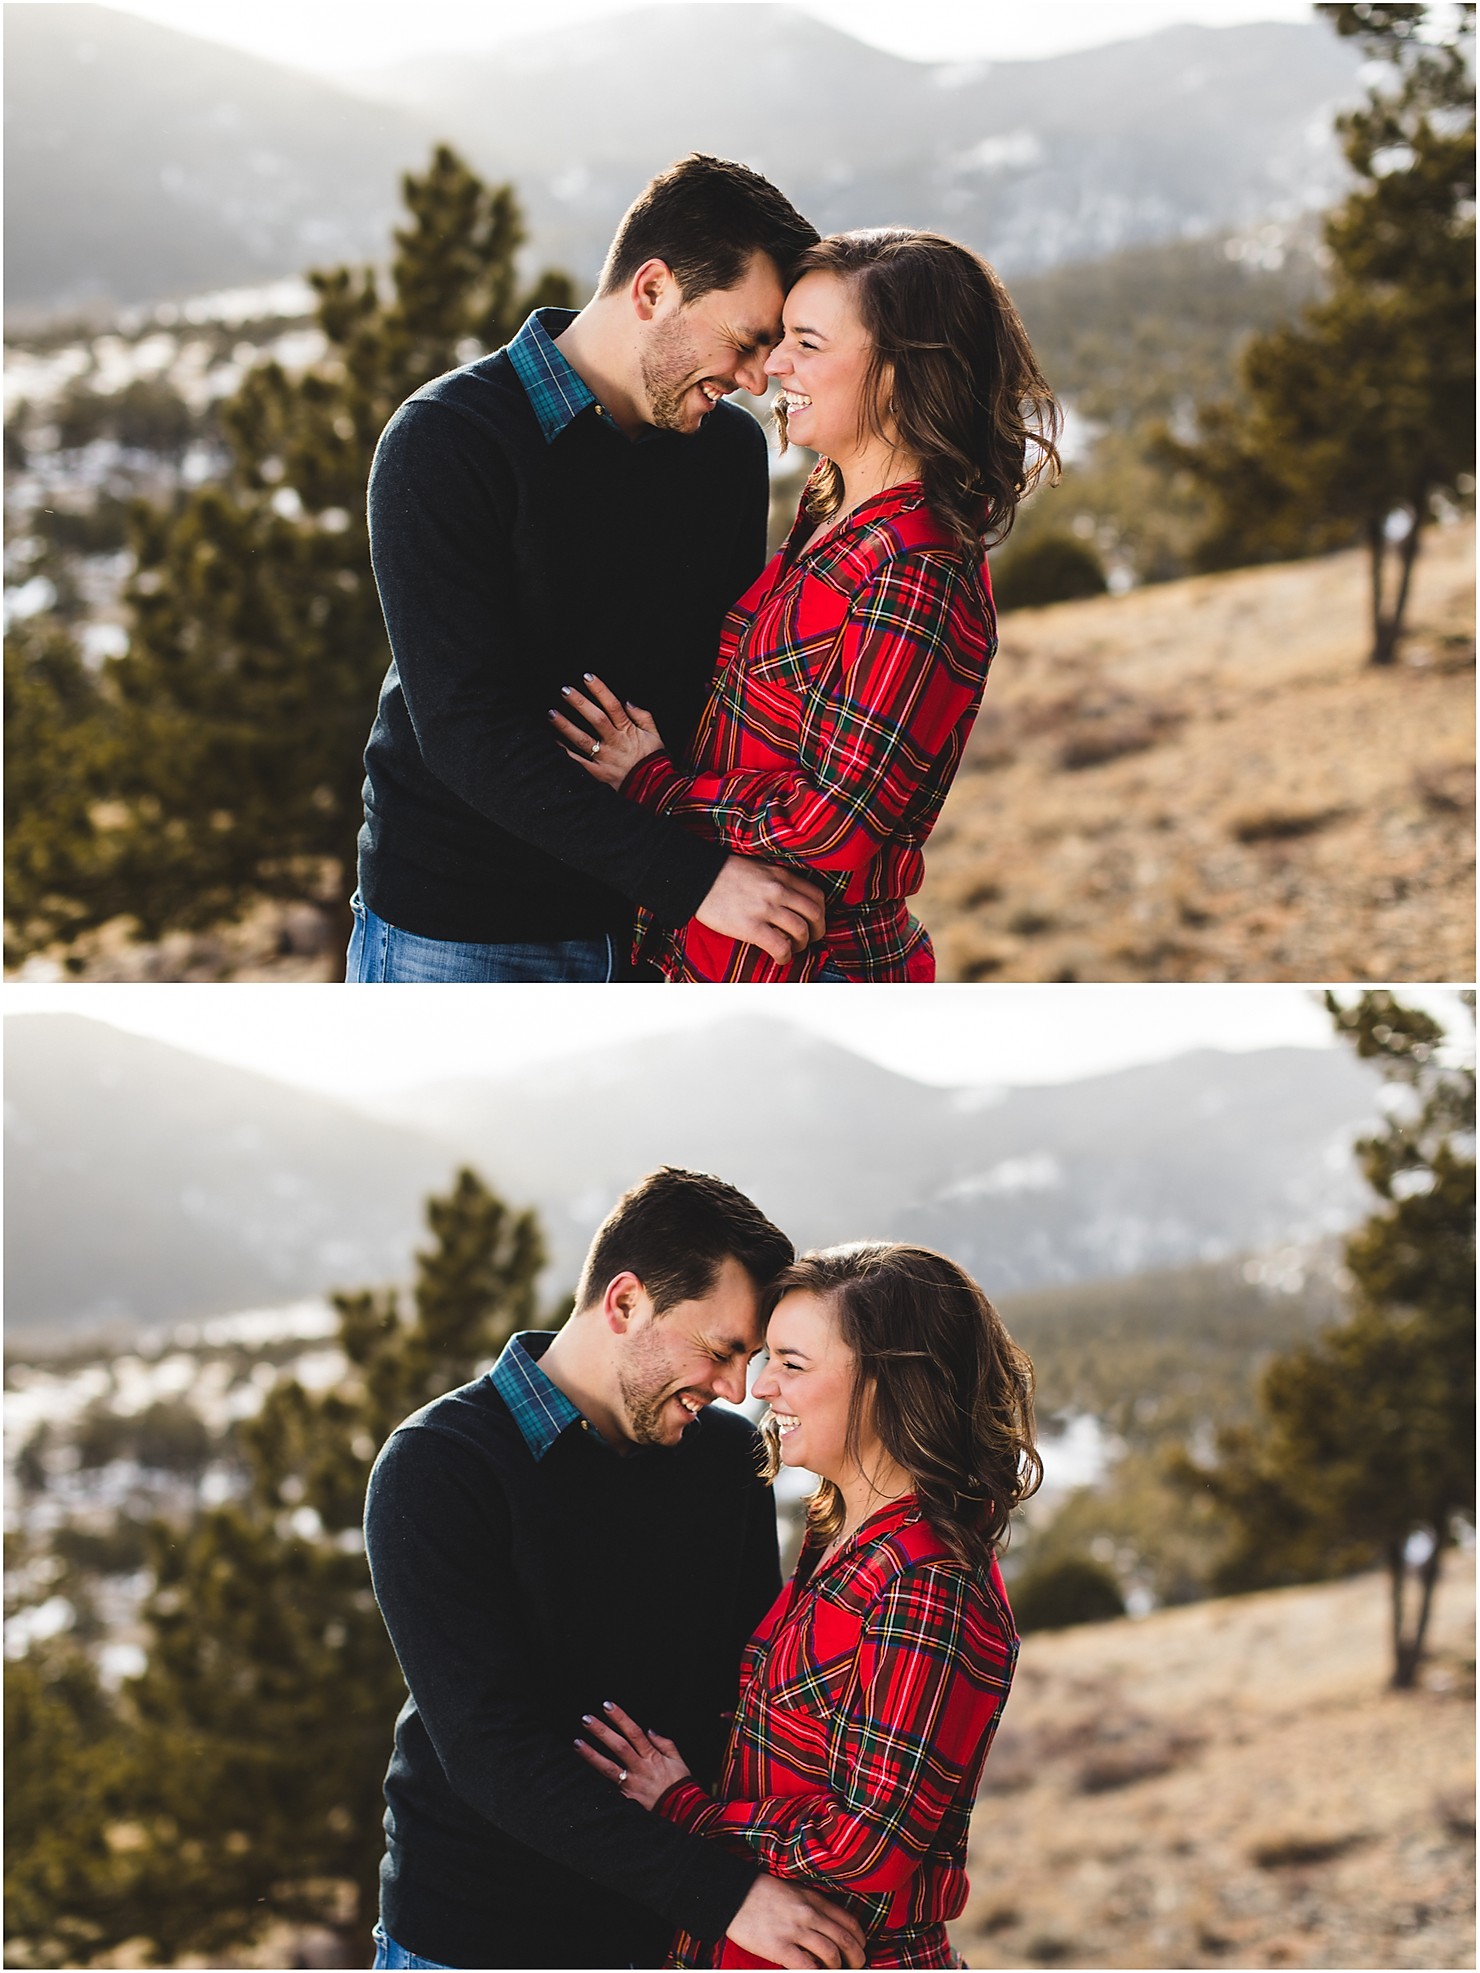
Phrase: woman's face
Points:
(820, 364)
(808, 1383)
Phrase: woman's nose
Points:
(778, 363)
(764, 1385)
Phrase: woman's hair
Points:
(967, 398)
(942, 1384)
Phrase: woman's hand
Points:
(643, 1765)
(618, 738)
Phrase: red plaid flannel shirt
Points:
(868, 1700)
(847, 681)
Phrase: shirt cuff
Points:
(684, 1803)
(652, 781)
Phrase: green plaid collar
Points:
(553, 388)
(541, 1409)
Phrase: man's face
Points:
(697, 352)
(671, 1365)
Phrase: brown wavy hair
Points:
(966, 396)
(946, 1389)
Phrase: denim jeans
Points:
(388, 1953)
(382, 955)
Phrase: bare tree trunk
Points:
(1405, 1673)
(1407, 556)
(1376, 564)
(1397, 1582)
(1408, 1650)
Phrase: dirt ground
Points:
(1232, 1784)
(1205, 780)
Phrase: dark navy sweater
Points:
(508, 565)
(519, 1594)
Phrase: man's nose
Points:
(730, 1383)
(751, 373)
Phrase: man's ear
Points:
(653, 289)
(623, 1300)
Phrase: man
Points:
(581, 500)
(579, 1526)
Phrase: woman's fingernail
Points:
(589, 676)
(606, 1705)
(567, 690)
(585, 1719)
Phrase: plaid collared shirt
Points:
(847, 682)
(868, 1700)
(553, 388)
(540, 1408)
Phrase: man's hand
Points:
(765, 905)
(790, 1926)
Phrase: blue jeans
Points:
(382, 955)
(388, 1953)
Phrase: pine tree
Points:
(245, 1763)
(223, 750)
(1358, 417)
(64, 1756)
(58, 742)
(1365, 1447)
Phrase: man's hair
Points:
(674, 1231)
(704, 218)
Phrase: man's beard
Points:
(666, 364)
(645, 1407)
(647, 1390)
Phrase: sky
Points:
(339, 35)
(343, 1045)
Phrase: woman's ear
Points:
(886, 416)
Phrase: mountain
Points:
(1209, 1154)
(1184, 131)
(142, 162)
(145, 1185)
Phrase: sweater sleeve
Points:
(895, 697)
(439, 546)
(440, 1563)
(911, 1741)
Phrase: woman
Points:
(870, 1693)
(850, 673)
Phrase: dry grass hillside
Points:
(1232, 1784)
(1198, 781)
(1206, 781)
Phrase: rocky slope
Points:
(1232, 1784)
(1206, 780)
